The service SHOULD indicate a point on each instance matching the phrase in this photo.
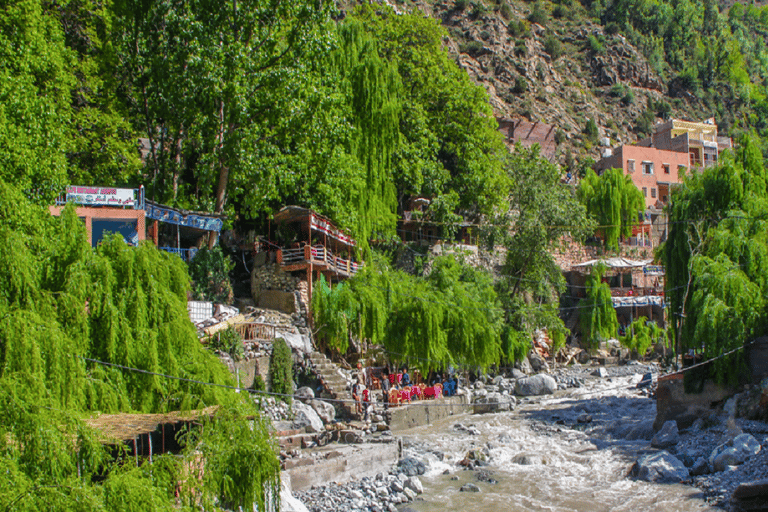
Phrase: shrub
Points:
(506, 11)
(460, 5)
(521, 86)
(517, 28)
(641, 334)
(538, 14)
(229, 341)
(560, 11)
(590, 130)
(595, 45)
(612, 28)
(553, 47)
(478, 10)
(559, 136)
(520, 48)
(209, 271)
(281, 370)
(471, 48)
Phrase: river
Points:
(542, 459)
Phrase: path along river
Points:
(540, 458)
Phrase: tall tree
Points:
(614, 201)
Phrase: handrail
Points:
(250, 331)
(318, 255)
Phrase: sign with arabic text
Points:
(102, 196)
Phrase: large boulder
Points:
(660, 467)
(493, 402)
(538, 363)
(298, 342)
(287, 502)
(734, 452)
(304, 393)
(540, 384)
(411, 467)
(304, 416)
(326, 411)
(667, 436)
(750, 496)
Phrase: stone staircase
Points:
(334, 385)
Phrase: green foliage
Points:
(229, 341)
(641, 334)
(553, 47)
(281, 370)
(597, 316)
(209, 271)
(538, 14)
(614, 201)
(517, 28)
(714, 260)
(542, 211)
(450, 317)
(506, 11)
(65, 305)
(594, 44)
(590, 130)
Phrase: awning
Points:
(197, 220)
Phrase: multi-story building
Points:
(655, 163)
(699, 140)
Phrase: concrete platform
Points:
(341, 463)
(424, 412)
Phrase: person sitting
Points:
(406, 381)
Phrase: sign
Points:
(102, 196)
(171, 216)
(320, 224)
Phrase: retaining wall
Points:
(425, 412)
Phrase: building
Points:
(700, 141)
(652, 170)
(656, 163)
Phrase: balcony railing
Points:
(320, 256)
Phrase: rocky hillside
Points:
(562, 71)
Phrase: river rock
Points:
(700, 467)
(306, 417)
(641, 431)
(517, 374)
(600, 372)
(538, 363)
(326, 411)
(734, 452)
(304, 393)
(667, 436)
(413, 483)
(525, 459)
(540, 384)
(469, 488)
(750, 496)
(411, 467)
(660, 467)
(492, 402)
(525, 366)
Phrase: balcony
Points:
(321, 258)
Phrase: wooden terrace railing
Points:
(319, 256)
(255, 331)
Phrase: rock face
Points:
(667, 436)
(536, 385)
(660, 467)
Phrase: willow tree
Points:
(88, 330)
(373, 88)
(597, 316)
(715, 258)
(614, 201)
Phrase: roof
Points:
(198, 220)
(616, 263)
(639, 300)
(125, 427)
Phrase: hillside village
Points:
(386, 247)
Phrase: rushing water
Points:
(571, 467)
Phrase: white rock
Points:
(413, 483)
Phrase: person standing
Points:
(386, 385)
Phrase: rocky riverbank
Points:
(601, 407)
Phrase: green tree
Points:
(613, 201)
(597, 316)
(281, 370)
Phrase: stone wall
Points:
(673, 403)
(424, 412)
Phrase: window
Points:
(630, 166)
(647, 167)
(653, 192)
(645, 192)
(666, 168)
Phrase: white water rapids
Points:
(572, 467)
